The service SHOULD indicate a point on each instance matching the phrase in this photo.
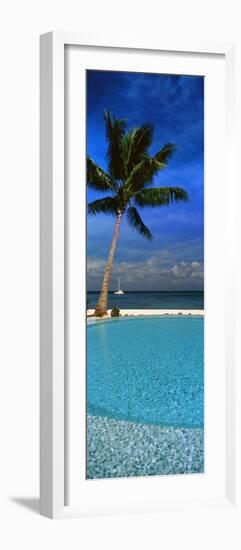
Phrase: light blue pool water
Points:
(148, 370)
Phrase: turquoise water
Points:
(179, 299)
(148, 370)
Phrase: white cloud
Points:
(185, 270)
(157, 272)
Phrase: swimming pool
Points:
(148, 370)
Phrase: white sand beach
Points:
(138, 312)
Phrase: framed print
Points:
(143, 398)
(138, 394)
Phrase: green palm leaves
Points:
(160, 196)
(130, 174)
(135, 221)
(98, 179)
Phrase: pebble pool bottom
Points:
(145, 395)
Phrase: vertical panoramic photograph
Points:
(145, 274)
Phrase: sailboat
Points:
(119, 291)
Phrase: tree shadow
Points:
(32, 503)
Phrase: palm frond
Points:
(137, 143)
(97, 178)
(164, 155)
(135, 221)
(142, 174)
(115, 131)
(106, 205)
(159, 196)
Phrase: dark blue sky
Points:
(175, 106)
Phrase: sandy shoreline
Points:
(139, 312)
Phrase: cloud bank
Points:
(158, 272)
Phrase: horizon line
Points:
(171, 290)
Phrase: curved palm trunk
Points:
(101, 308)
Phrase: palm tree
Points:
(128, 183)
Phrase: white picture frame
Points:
(53, 425)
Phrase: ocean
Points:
(151, 300)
